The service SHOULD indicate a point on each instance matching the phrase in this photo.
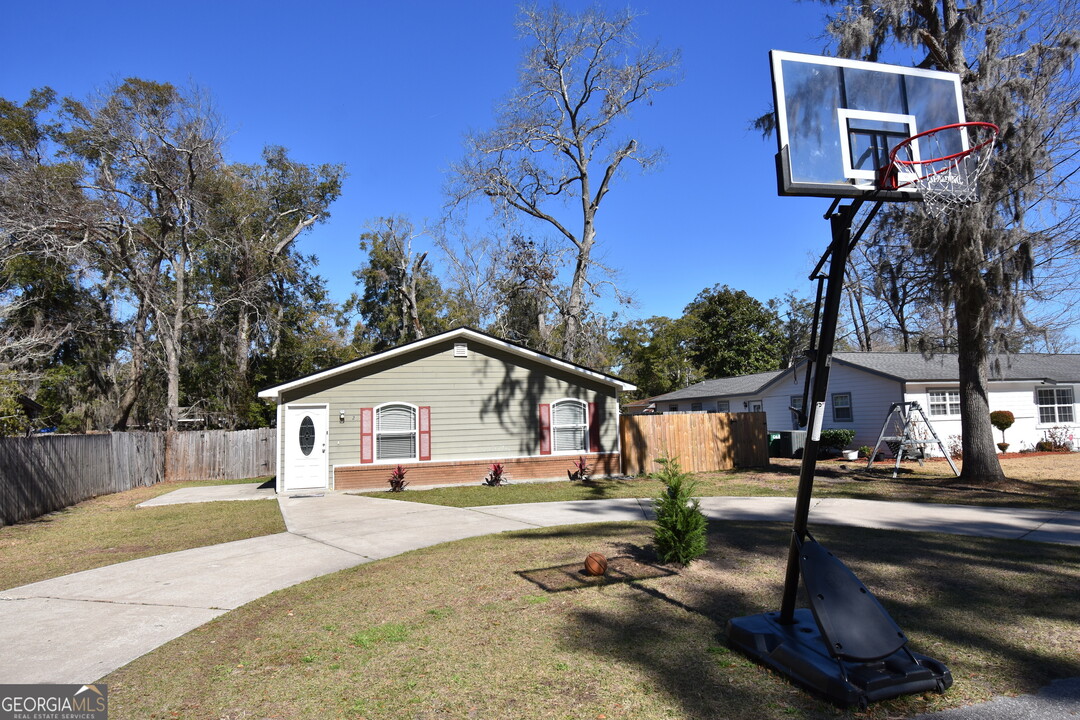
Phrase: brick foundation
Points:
(473, 472)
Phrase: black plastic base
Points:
(799, 651)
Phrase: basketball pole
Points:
(821, 361)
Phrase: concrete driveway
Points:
(80, 627)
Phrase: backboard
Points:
(837, 120)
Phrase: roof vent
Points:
(461, 350)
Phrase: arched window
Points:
(570, 426)
(395, 432)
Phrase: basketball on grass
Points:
(595, 564)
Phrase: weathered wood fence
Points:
(41, 474)
(701, 441)
(221, 454)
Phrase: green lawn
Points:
(506, 627)
(110, 529)
(1047, 481)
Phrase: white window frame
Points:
(1057, 406)
(850, 407)
(795, 402)
(949, 402)
(723, 406)
(695, 407)
(415, 433)
(584, 425)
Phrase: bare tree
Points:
(149, 151)
(401, 299)
(554, 145)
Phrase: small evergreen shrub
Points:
(836, 439)
(680, 526)
(1002, 420)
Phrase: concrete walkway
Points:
(80, 627)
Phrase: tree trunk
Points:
(173, 341)
(575, 305)
(133, 390)
(981, 463)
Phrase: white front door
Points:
(755, 406)
(305, 446)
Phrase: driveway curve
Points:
(80, 627)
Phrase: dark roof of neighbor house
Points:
(914, 367)
(900, 366)
(721, 387)
(459, 333)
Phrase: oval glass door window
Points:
(307, 435)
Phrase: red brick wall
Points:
(472, 472)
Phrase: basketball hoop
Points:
(947, 179)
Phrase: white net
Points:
(947, 179)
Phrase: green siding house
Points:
(446, 408)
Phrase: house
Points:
(638, 407)
(445, 408)
(1039, 389)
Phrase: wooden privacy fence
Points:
(221, 454)
(42, 474)
(701, 441)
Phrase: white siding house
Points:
(1039, 389)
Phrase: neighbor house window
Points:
(395, 432)
(570, 426)
(796, 408)
(944, 403)
(673, 408)
(723, 406)
(695, 407)
(1055, 405)
(841, 407)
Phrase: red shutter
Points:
(425, 433)
(594, 429)
(545, 429)
(367, 435)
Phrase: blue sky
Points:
(391, 88)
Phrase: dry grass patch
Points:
(111, 529)
(460, 630)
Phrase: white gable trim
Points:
(274, 393)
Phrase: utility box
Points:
(785, 443)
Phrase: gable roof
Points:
(740, 385)
(461, 333)
(915, 367)
(899, 366)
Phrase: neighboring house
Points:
(638, 407)
(1039, 389)
(446, 408)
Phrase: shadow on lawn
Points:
(982, 606)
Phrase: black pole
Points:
(841, 222)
